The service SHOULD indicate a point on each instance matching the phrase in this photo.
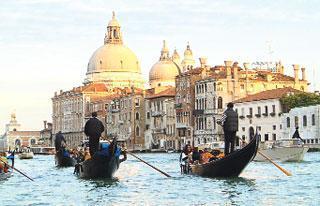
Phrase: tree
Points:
(299, 100)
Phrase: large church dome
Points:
(164, 72)
(114, 63)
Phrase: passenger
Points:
(205, 156)
(87, 154)
(195, 155)
(185, 159)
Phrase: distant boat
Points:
(170, 150)
(290, 150)
(103, 164)
(229, 166)
(64, 159)
(26, 154)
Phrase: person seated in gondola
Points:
(195, 155)
(3, 163)
(205, 156)
(217, 154)
(185, 158)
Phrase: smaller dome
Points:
(113, 22)
(163, 71)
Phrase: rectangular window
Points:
(274, 127)
(243, 129)
(304, 120)
(274, 137)
(273, 108)
(266, 110)
(266, 137)
(250, 111)
(259, 110)
(137, 102)
(313, 119)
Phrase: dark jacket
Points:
(93, 127)
(231, 123)
(58, 140)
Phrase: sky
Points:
(45, 45)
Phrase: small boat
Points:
(290, 150)
(64, 159)
(229, 166)
(5, 175)
(103, 164)
(26, 154)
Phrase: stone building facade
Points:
(125, 118)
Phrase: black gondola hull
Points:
(231, 165)
(98, 167)
(62, 161)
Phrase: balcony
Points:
(178, 105)
(115, 110)
(198, 112)
(159, 131)
(241, 117)
(157, 113)
(181, 125)
(265, 114)
(249, 115)
(258, 115)
(272, 114)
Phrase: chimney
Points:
(296, 72)
(303, 72)
(203, 62)
(61, 91)
(45, 124)
(228, 65)
(235, 71)
(246, 67)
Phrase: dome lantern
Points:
(113, 35)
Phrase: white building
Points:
(262, 112)
(307, 119)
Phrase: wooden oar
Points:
(149, 164)
(275, 164)
(17, 170)
(270, 160)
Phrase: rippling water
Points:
(137, 184)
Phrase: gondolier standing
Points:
(229, 122)
(93, 130)
(59, 138)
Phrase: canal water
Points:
(137, 184)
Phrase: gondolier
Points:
(229, 122)
(58, 141)
(93, 130)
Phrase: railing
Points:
(157, 113)
(159, 131)
(181, 125)
(198, 112)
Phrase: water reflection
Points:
(103, 182)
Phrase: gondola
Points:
(64, 159)
(103, 164)
(229, 166)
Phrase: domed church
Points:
(164, 72)
(114, 64)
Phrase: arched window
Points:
(32, 141)
(304, 120)
(288, 122)
(17, 142)
(137, 131)
(137, 116)
(220, 103)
